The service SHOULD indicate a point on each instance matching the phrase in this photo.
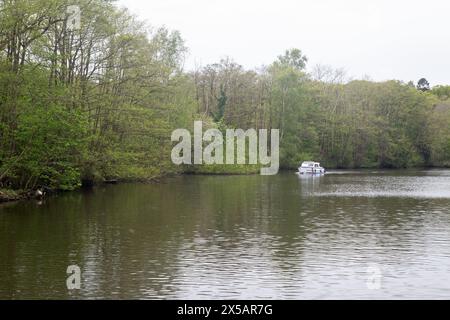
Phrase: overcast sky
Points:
(383, 39)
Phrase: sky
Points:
(381, 40)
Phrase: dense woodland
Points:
(100, 102)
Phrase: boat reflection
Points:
(310, 183)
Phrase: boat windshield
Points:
(307, 164)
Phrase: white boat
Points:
(311, 167)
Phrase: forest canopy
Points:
(100, 102)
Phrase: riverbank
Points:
(7, 195)
(223, 169)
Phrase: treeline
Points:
(99, 101)
(86, 102)
(324, 117)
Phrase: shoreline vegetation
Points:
(99, 102)
(10, 195)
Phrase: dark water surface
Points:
(349, 234)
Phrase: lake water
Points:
(348, 234)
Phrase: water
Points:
(349, 234)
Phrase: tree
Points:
(293, 58)
(442, 92)
(221, 103)
(423, 85)
(110, 87)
